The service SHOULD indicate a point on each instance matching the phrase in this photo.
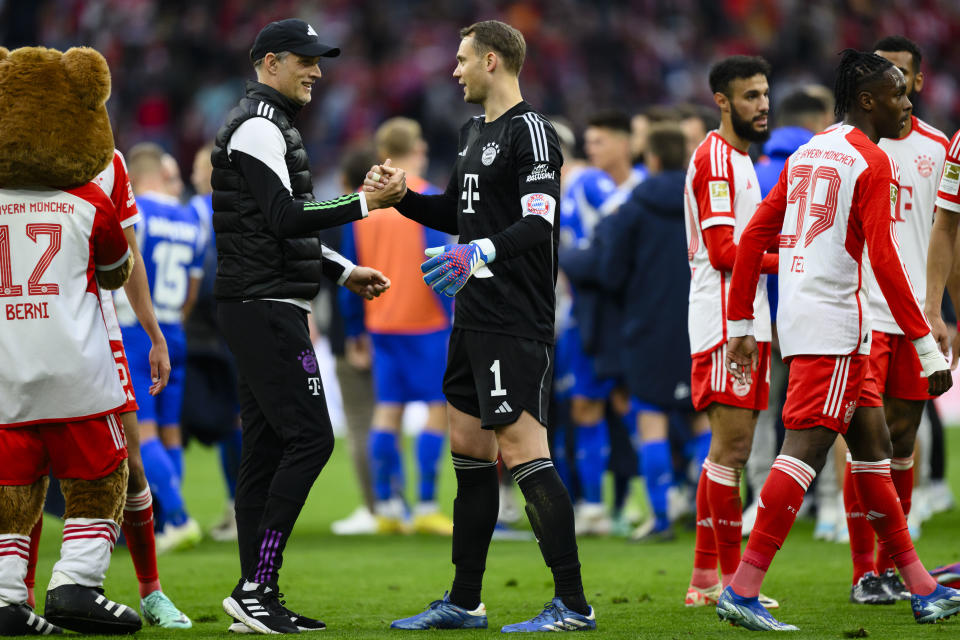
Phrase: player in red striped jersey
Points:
(720, 196)
(943, 240)
(919, 152)
(837, 195)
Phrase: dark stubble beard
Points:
(744, 128)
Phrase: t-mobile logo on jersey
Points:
(314, 385)
(471, 182)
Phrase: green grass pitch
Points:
(359, 584)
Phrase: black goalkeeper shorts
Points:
(494, 376)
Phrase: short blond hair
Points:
(397, 137)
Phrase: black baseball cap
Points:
(295, 36)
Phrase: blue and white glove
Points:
(450, 266)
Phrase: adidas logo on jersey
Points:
(504, 408)
(875, 515)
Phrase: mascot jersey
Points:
(53, 344)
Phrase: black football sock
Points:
(475, 512)
(551, 516)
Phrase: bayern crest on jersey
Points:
(537, 204)
(490, 151)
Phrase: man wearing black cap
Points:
(269, 263)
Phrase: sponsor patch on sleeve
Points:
(894, 192)
(719, 196)
(950, 182)
(539, 204)
(541, 173)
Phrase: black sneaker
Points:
(303, 622)
(20, 620)
(894, 586)
(87, 610)
(870, 589)
(258, 606)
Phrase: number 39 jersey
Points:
(920, 157)
(508, 169)
(57, 364)
(836, 196)
(171, 242)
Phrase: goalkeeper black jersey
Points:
(506, 187)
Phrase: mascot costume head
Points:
(55, 138)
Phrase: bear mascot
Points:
(59, 390)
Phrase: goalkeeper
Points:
(502, 200)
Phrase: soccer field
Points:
(358, 585)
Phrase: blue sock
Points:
(701, 447)
(384, 461)
(593, 451)
(561, 458)
(230, 460)
(429, 447)
(176, 459)
(658, 477)
(163, 481)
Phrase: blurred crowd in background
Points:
(627, 66)
(179, 65)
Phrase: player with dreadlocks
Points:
(837, 196)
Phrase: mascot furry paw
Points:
(57, 409)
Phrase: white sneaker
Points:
(749, 519)
(510, 511)
(174, 538)
(360, 522)
(826, 527)
(591, 519)
(939, 496)
(915, 523)
(679, 503)
(226, 529)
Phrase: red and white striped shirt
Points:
(948, 195)
(55, 354)
(920, 156)
(115, 183)
(837, 194)
(721, 189)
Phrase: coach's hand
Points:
(939, 332)
(159, 359)
(384, 185)
(366, 282)
(742, 357)
(451, 266)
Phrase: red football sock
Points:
(138, 530)
(31, 578)
(705, 548)
(901, 472)
(779, 501)
(879, 499)
(861, 533)
(723, 493)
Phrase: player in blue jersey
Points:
(171, 241)
(580, 208)
(211, 410)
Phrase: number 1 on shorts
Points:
(497, 389)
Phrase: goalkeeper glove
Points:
(450, 266)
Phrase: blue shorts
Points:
(409, 367)
(576, 371)
(163, 409)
